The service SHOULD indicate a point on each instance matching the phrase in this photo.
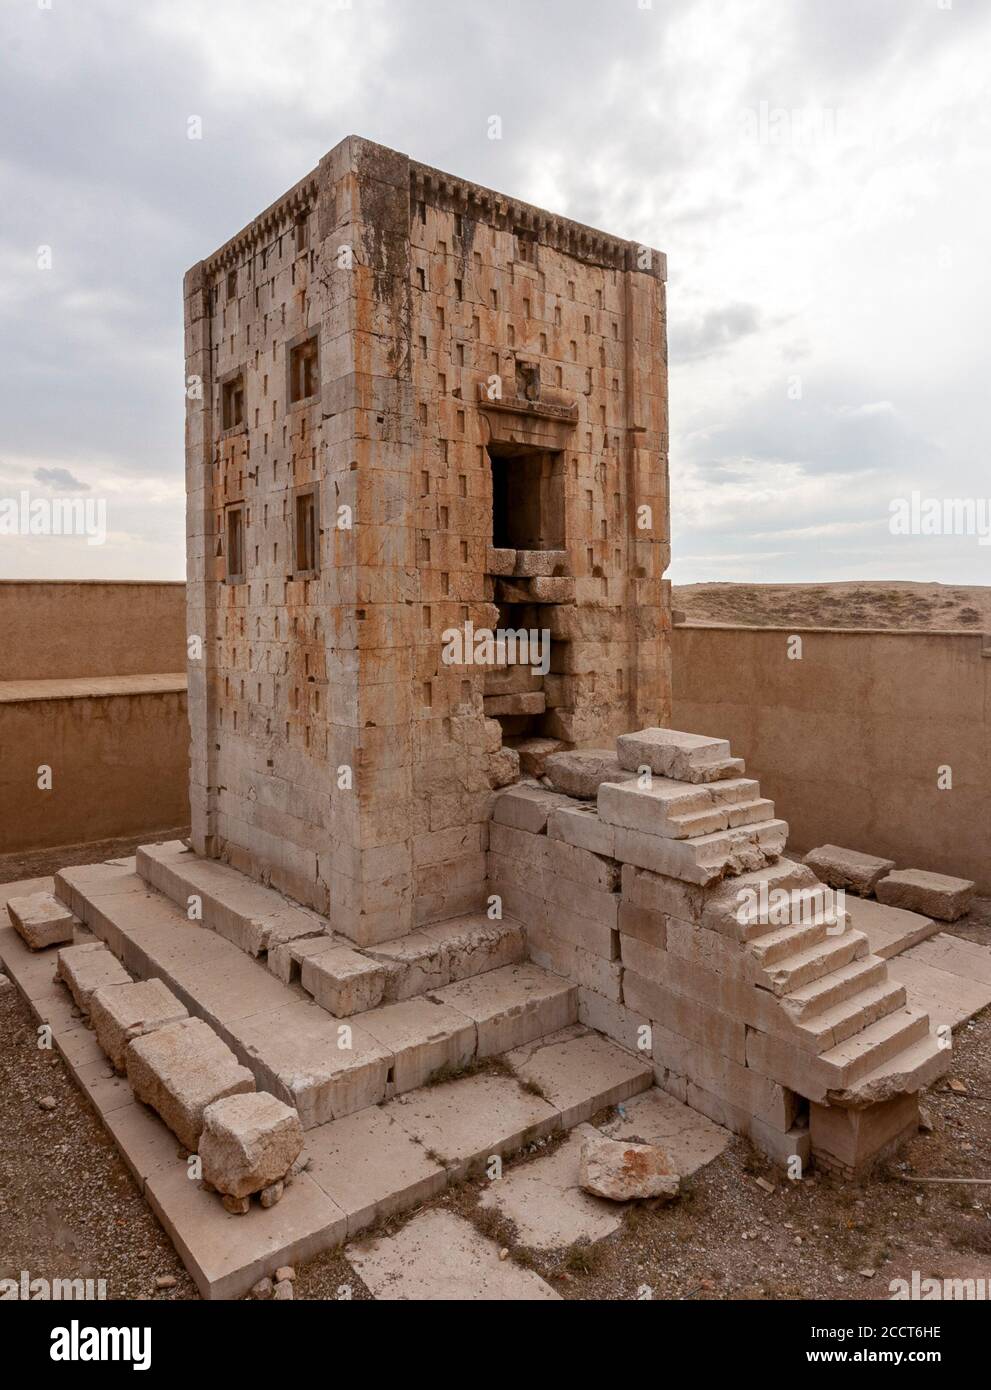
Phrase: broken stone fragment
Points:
(41, 920)
(847, 869)
(180, 1071)
(581, 771)
(249, 1143)
(622, 1171)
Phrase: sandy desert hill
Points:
(855, 603)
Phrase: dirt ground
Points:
(69, 1208)
(891, 604)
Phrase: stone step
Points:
(252, 916)
(840, 985)
(325, 1066)
(777, 945)
(745, 907)
(876, 1044)
(705, 857)
(841, 1021)
(788, 975)
(908, 1071)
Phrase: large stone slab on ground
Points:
(948, 977)
(248, 1142)
(579, 1071)
(543, 1199)
(688, 1137)
(581, 771)
(623, 1171)
(120, 1013)
(370, 1167)
(935, 895)
(181, 1069)
(463, 1123)
(889, 930)
(89, 967)
(440, 1256)
(847, 868)
(41, 920)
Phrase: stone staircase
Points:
(443, 1002)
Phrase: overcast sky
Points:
(816, 170)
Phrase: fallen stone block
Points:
(934, 895)
(181, 1069)
(846, 868)
(89, 967)
(41, 920)
(581, 771)
(120, 1013)
(623, 1171)
(533, 753)
(249, 1142)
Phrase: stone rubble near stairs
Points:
(41, 920)
(580, 771)
(848, 869)
(623, 1171)
(181, 1069)
(249, 1142)
(934, 895)
(121, 1013)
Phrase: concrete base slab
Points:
(579, 1071)
(546, 1204)
(889, 930)
(370, 1167)
(947, 977)
(462, 1123)
(440, 1256)
(688, 1137)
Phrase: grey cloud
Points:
(60, 478)
(714, 331)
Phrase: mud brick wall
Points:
(335, 754)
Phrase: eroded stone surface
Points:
(41, 920)
(181, 1069)
(438, 1255)
(848, 869)
(120, 1013)
(88, 967)
(934, 895)
(248, 1142)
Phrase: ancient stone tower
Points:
(415, 408)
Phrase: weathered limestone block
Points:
(580, 826)
(853, 1140)
(933, 895)
(847, 869)
(530, 563)
(534, 752)
(685, 757)
(181, 1069)
(621, 1171)
(248, 1142)
(120, 1013)
(500, 561)
(581, 771)
(41, 920)
(666, 808)
(88, 967)
(526, 808)
(343, 981)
